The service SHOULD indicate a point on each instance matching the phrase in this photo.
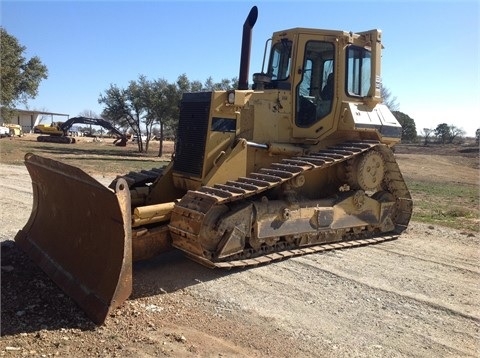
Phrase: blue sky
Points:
(430, 62)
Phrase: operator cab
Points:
(322, 69)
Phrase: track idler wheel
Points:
(367, 172)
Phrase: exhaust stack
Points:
(246, 46)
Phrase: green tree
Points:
(149, 95)
(409, 130)
(224, 85)
(448, 133)
(145, 103)
(185, 85)
(20, 77)
(124, 106)
(141, 105)
(442, 132)
(161, 104)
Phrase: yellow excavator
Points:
(299, 162)
(58, 132)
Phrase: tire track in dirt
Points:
(323, 298)
(15, 189)
(459, 266)
(421, 299)
(453, 286)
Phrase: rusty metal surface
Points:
(79, 233)
(148, 243)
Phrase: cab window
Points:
(280, 59)
(315, 92)
(358, 71)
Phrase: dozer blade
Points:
(79, 233)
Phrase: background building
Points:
(29, 119)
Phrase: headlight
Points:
(231, 97)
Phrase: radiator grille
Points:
(192, 133)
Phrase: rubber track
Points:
(195, 205)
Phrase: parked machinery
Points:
(287, 168)
(58, 132)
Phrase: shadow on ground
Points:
(32, 302)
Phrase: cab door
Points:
(315, 86)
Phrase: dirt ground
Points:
(415, 296)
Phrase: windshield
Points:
(280, 60)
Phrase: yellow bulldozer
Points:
(299, 162)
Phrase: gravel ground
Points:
(416, 296)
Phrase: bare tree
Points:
(455, 133)
(388, 100)
(426, 133)
(88, 113)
